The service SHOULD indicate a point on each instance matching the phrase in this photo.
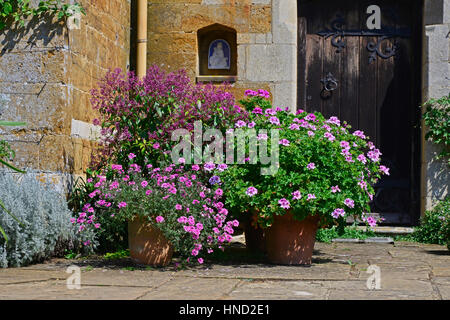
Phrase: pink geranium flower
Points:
(335, 189)
(296, 195)
(384, 170)
(349, 203)
(251, 191)
(284, 203)
(159, 219)
(338, 213)
(274, 120)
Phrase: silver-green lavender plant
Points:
(7, 152)
(45, 227)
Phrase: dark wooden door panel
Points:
(375, 93)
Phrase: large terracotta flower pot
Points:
(147, 244)
(290, 241)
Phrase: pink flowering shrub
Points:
(191, 215)
(138, 116)
(324, 168)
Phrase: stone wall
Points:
(46, 73)
(266, 39)
(435, 84)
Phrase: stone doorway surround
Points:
(435, 84)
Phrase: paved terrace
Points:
(339, 271)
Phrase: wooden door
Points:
(371, 79)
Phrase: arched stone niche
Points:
(217, 54)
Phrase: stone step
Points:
(386, 240)
(389, 230)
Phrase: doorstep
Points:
(382, 240)
(389, 230)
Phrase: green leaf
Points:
(2, 205)
(7, 8)
(3, 234)
(11, 166)
(12, 124)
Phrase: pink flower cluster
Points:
(124, 99)
(202, 217)
(338, 213)
(260, 93)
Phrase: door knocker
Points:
(329, 85)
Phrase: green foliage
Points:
(349, 232)
(79, 193)
(437, 119)
(315, 156)
(435, 225)
(19, 10)
(70, 254)
(129, 269)
(113, 236)
(121, 254)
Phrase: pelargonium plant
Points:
(189, 213)
(324, 169)
(138, 116)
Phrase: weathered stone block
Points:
(56, 154)
(285, 95)
(284, 21)
(27, 154)
(174, 62)
(195, 17)
(242, 62)
(41, 106)
(271, 62)
(164, 18)
(434, 50)
(173, 42)
(77, 155)
(261, 19)
(243, 38)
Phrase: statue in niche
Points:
(219, 55)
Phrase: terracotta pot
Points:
(290, 241)
(148, 245)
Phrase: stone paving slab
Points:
(339, 271)
(57, 290)
(379, 295)
(17, 276)
(181, 288)
(335, 271)
(126, 278)
(279, 290)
